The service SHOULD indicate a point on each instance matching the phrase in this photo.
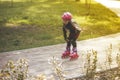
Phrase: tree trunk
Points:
(77, 0)
(11, 3)
(86, 2)
(88, 6)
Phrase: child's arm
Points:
(64, 33)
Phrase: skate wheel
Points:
(74, 57)
(65, 55)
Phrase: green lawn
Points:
(38, 23)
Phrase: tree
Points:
(88, 5)
(77, 0)
(11, 3)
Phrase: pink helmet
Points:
(67, 16)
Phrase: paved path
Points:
(38, 57)
(113, 5)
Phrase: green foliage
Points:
(37, 23)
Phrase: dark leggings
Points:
(73, 42)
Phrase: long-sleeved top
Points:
(73, 28)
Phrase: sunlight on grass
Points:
(59, 2)
(14, 0)
(32, 24)
(23, 22)
(59, 37)
(80, 20)
(10, 25)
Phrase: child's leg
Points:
(67, 51)
(68, 46)
(74, 44)
(74, 54)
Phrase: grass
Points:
(38, 23)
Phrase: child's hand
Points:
(67, 40)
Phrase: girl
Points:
(72, 27)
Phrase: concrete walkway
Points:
(38, 57)
(113, 5)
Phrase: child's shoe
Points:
(74, 56)
(66, 54)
